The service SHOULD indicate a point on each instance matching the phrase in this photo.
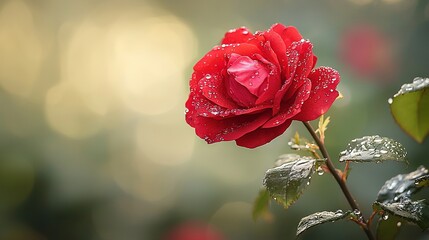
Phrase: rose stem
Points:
(337, 177)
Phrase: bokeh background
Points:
(93, 142)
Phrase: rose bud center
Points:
(248, 72)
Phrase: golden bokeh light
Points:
(68, 113)
(21, 50)
(145, 179)
(150, 57)
(232, 218)
(84, 63)
(165, 143)
(130, 60)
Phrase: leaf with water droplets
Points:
(401, 186)
(285, 158)
(422, 181)
(261, 204)
(411, 211)
(410, 108)
(373, 149)
(320, 218)
(388, 227)
(286, 182)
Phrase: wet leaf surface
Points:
(320, 218)
(411, 211)
(410, 108)
(373, 149)
(401, 186)
(286, 182)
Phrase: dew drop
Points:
(390, 100)
(320, 171)
(356, 212)
(398, 224)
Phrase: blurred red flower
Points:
(368, 52)
(193, 231)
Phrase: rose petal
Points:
(215, 130)
(300, 62)
(215, 60)
(198, 105)
(207, 72)
(279, 48)
(239, 93)
(291, 107)
(213, 88)
(272, 83)
(248, 72)
(238, 35)
(323, 93)
(289, 34)
(303, 66)
(262, 136)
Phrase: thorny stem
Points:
(339, 179)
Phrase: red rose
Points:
(250, 88)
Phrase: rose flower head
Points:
(251, 87)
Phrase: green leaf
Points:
(286, 183)
(388, 227)
(422, 181)
(320, 218)
(373, 149)
(410, 108)
(411, 211)
(261, 204)
(401, 186)
(285, 158)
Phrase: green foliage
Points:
(411, 211)
(401, 186)
(261, 204)
(320, 218)
(286, 182)
(422, 181)
(388, 227)
(395, 205)
(410, 108)
(373, 149)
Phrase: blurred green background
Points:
(93, 142)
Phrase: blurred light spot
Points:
(233, 218)
(369, 53)
(166, 144)
(193, 231)
(85, 58)
(68, 114)
(145, 179)
(16, 180)
(391, 1)
(21, 51)
(150, 57)
(361, 2)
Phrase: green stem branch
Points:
(338, 178)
